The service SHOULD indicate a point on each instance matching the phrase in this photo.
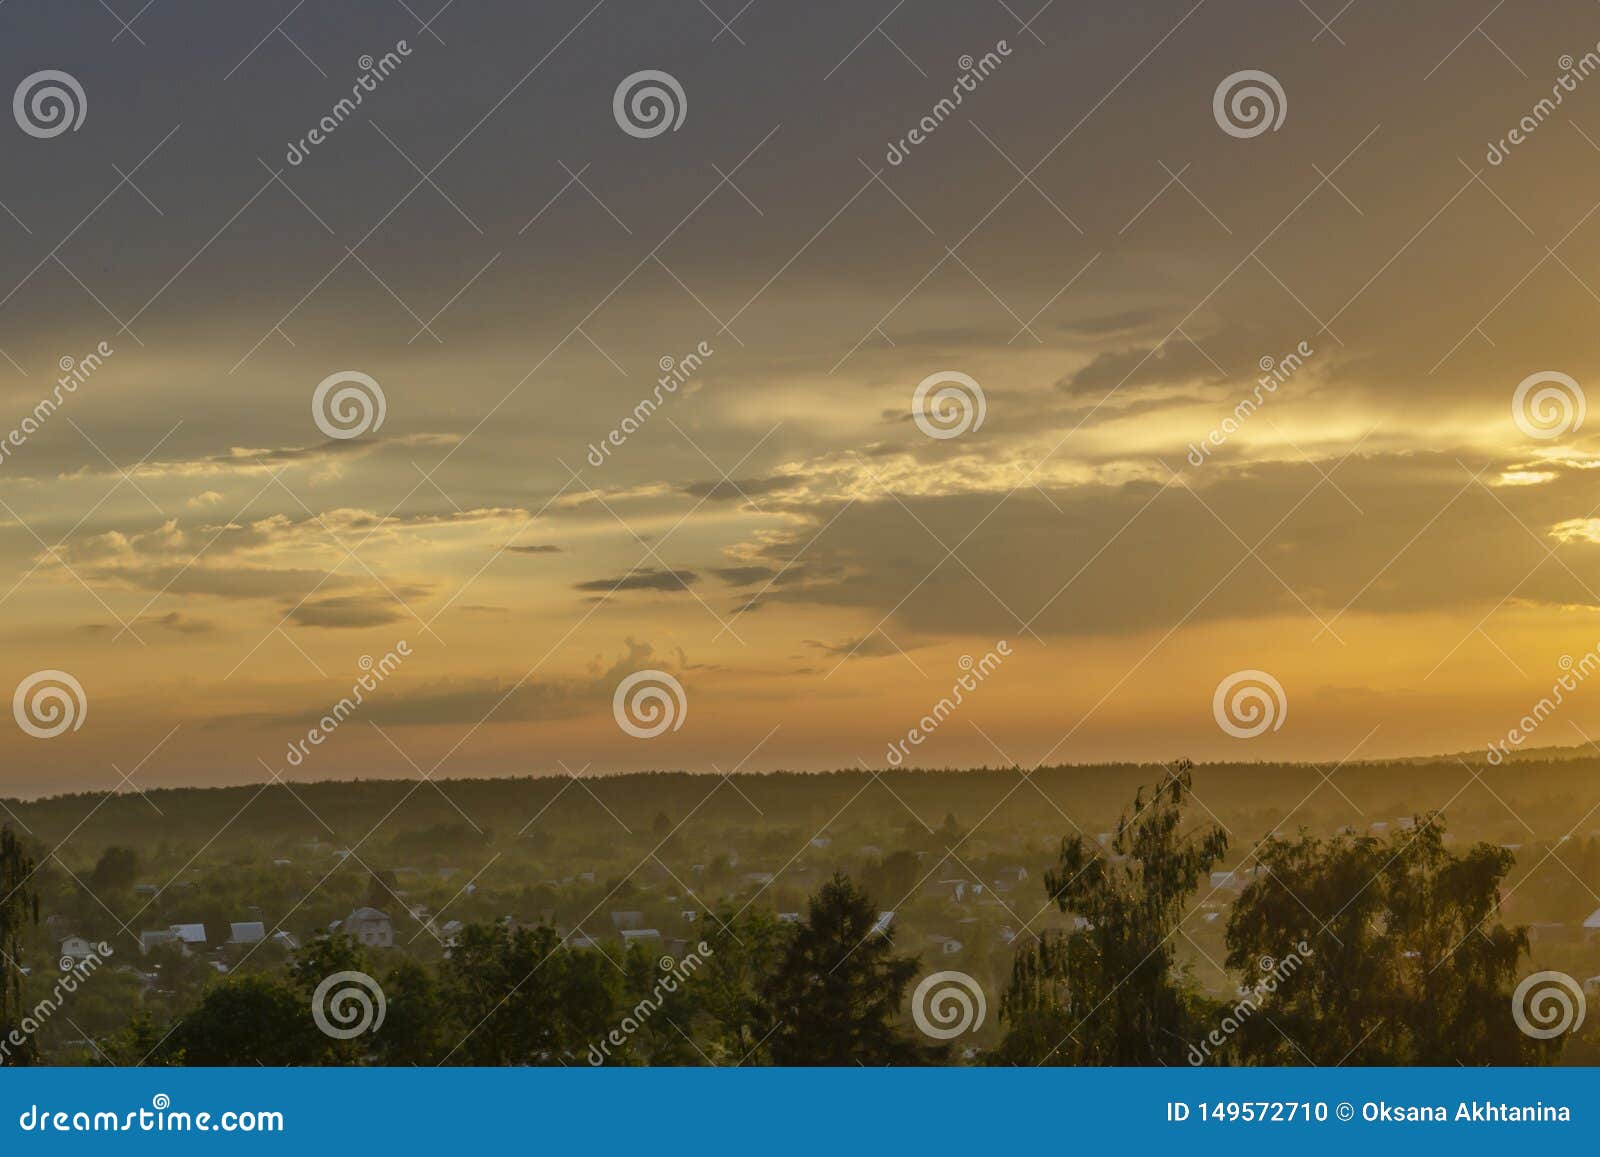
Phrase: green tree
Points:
(413, 1029)
(19, 907)
(521, 997)
(140, 1042)
(746, 950)
(114, 872)
(837, 993)
(1395, 959)
(381, 885)
(896, 875)
(328, 956)
(1108, 993)
(661, 1017)
(245, 1021)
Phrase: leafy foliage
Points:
(18, 907)
(835, 996)
(1106, 994)
(1403, 967)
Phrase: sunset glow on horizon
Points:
(1249, 400)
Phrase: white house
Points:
(192, 935)
(788, 917)
(247, 932)
(76, 948)
(370, 927)
(1591, 925)
(156, 937)
(631, 936)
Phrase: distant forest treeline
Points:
(1237, 914)
(1541, 791)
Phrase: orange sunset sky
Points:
(1079, 237)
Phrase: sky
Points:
(1401, 542)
